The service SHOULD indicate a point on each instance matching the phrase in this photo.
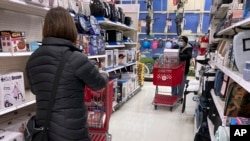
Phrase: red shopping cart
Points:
(167, 76)
(99, 105)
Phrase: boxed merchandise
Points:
(129, 56)
(122, 89)
(109, 59)
(171, 53)
(116, 57)
(11, 136)
(12, 90)
(123, 57)
(13, 41)
(133, 54)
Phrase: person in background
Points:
(69, 115)
(185, 55)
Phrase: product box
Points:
(123, 57)
(171, 53)
(109, 59)
(13, 41)
(133, 54)
(129, 56)
(12, 91)
(11, 136)
(116, 57)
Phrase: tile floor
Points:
(137, 120)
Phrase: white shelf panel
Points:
(107, 24)
(218, 103)
(211, 129)
(96, 56)
(236, 76)
(130, 43)
(115, 46)
(23, 7)
(229, 30)
(120, 67)
(10, 54)
(29, 100)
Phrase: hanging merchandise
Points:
(241, 50)
(128, 21)
(154, 44)
(204, 44)
(82, 23)
(160, 43)
(71, 10)
(121, 15)
(146, 43)
(237, 101)
(107, 10)
(95, 27)
(114, 16)
(168, 44)
(148, 23)
(97, 8)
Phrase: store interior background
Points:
(196, 20)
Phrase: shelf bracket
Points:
(235, 31)
(243, 28)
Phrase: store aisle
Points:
(138, 121)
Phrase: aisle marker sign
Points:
(239, 132)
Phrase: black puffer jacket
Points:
(186, 55)
(68, 121)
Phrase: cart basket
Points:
(168, 76)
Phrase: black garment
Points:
(68, 122)
(186, 55)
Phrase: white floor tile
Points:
(137, 120)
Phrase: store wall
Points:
(196, 20)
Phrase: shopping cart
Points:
(99, 105)
(167, 76)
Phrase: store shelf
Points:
(130, 43)
(120, 67)
(118, 105)
(211, 129)
(107, 24)
(96, 56)
(230, 30)
(135, 91)
(218, 103)
(115, 46)
(29, 100)
(14, 54)
(23, 7)
(236, 76)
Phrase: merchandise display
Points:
(99, 38)
(132, 43)
(230, 59)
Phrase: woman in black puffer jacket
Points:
(69, 115)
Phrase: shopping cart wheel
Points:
(171, 108)
(155, 107)
(109, 137)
